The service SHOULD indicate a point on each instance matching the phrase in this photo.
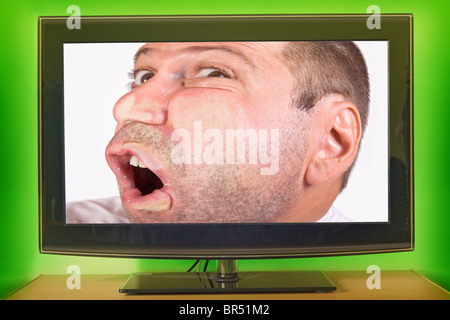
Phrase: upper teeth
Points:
(135, 162)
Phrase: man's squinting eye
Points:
(142, 75)
(213, 73)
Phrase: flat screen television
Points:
(226, 138)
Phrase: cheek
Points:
(218, 109)
(272, 108)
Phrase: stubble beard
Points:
(223, 193)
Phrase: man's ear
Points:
(337, 132)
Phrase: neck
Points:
(314, 204)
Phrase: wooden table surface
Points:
(351, 285)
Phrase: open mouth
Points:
(140, 178)
(144, 179)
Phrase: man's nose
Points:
(147, 103)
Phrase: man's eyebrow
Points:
(233, 51)
(141, 51)
(198, 49)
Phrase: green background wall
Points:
(20, 260)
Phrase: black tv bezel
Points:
(229, 241)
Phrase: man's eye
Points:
(142, 75)
(212, 72)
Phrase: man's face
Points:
(177, 123)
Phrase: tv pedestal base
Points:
(227, 280)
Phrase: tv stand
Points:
(227, 272)
(227, 279)
(351, 285)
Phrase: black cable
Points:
(193, 266)
(206, 266)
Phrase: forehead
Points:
(251, 52)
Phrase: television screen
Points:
(247, 170)
(226, 136)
